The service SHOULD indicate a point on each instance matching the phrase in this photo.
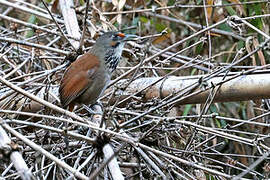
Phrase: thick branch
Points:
(245, 87)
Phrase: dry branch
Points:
(9, 149)
(113, 164)
(28, 10)
(243, 88)
(44, 152)
(71, 22)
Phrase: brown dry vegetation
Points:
(149, 125)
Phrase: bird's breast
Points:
(112, 58)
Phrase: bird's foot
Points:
(96, 108)
(88, 109)
(66, 140)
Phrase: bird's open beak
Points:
(130, 37)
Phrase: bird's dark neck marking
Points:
(112, 58)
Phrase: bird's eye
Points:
(115, 37)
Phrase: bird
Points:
(86, 79)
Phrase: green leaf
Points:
(193, 72)
(255, 9)
(143, 19)
(223, 123)
(187, 109)
(230, 9)
(33, 20)
(243, 111)
(240, 44)
(218, 123)
(171, 2)
(82, 2)
(199, 48)
(225, 27)
(160, 27)
(135, 21)
(199, 1)
(213, 108)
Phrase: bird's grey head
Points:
(110, 45)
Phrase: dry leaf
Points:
(240, 8)
(92, 29)
(101, 17)
(260, 53)
(214, 34)
(54, 6)
(218, 12)
(248, 48)
(209, 10)
(115, 3)
(162, 38)
(121, 4)
(250, 113)
(119, 19)
(200, 175)
(163, 3)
